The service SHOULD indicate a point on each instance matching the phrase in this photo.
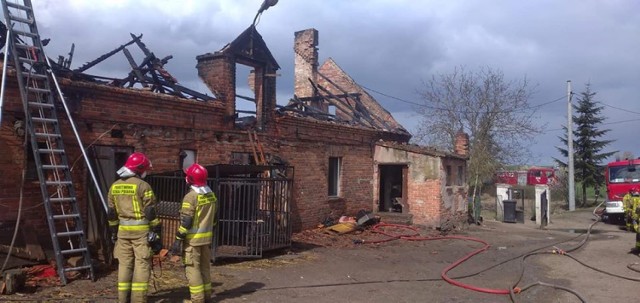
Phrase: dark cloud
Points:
(389, 46)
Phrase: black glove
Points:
(154, 242)
(176, 248)
(114, 234)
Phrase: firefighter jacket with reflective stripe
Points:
(202, 209)
(635, 208)
(627, 203)
(129, 197)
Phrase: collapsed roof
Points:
(328, 93)
(353, 104)
(149, 74)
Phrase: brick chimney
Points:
(218, 72)
(462, 144)
(306, 64)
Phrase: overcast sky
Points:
(390, 46)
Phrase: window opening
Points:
(246, 97)
(335, 166)
(187, 158)
(460, 176)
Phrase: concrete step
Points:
(395, 218)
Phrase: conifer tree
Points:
(588, 144)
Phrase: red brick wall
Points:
(427, 198)
(218, 72)
(307, 145)
(11, 165)
(424, 202)
(161, 126)
(156, 124)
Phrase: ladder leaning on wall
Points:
(34, 74)
(256, 148)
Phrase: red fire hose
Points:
(414, 235)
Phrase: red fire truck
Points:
(620, 176)
(531, 176)
(541, 175)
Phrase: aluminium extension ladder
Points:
(58, 192)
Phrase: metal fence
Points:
(253, 212)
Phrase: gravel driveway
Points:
(330, 268)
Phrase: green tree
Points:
(492, 110)
(587, 144)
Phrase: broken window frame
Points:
(187, 158)
(460, 176)
(448, 176)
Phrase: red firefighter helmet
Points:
(634, 191)
(138, 163)
(196, 175)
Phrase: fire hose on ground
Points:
(412, 234)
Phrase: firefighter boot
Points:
(208, 298)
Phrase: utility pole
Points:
(572, 192)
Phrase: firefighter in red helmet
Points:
(195, 234)
(134, 227)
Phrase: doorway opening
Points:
(392, 192)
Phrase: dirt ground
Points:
(331, 268)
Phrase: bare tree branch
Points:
(493, 111)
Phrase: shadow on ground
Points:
(179, 293)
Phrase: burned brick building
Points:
(347, 151)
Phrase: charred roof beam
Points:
(296, 105)
(105, 56)
(181, 89)
(135, 69)
(345, 108)
(349, 95)
(362, 108)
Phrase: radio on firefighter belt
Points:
(155, 242)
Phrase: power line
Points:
(607, 123)
(463, 111)
(623, 121)
(618, 108)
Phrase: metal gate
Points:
(253, 208)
